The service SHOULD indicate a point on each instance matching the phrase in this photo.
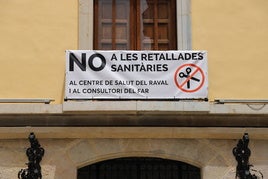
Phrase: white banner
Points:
(136, 74)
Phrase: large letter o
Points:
(90, 62)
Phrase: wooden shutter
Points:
(159, 24)
(135, 24)
(112, 24)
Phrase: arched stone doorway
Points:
(139, 168)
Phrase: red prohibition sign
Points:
(189, 76)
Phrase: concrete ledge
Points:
(239, 108)
(30, 108)
(135, 105)
(184, 106)
(139, 119)
(26, 100)
(132, 132)
(83, 106)
(134, 114)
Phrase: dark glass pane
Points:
(139, 168)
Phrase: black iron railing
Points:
(242, 154)
(34, 154)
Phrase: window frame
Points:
(86, 24)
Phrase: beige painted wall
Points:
(33, 38)
(234, 32)
(35, 34)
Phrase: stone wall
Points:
(64, 156)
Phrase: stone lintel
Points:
(132, 132)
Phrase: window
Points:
(139, 168)
(134, 24)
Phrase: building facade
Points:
(196, 136)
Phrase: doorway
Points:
(139, 168)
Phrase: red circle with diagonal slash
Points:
(182, 84)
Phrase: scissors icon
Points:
(187, 75)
